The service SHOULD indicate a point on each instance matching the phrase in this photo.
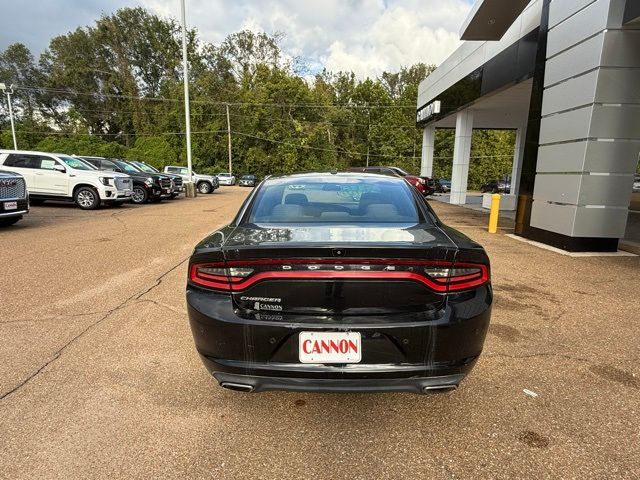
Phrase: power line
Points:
(206, 102)
(336, 150)
(248, 135)
(329, 123)
(144, 112)
(71, 134)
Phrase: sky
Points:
(363, 36)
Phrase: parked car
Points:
(204, 183)
(350, 283)
(443, 185)
(55, 176)
(178, 186)
(636, 183)
(497, 186)
(423, 184)
(146, 187)
(14, 198)
(226, 179)
(248, 181)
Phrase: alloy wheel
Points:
(86, 199)
(138, 195)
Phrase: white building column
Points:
(461, 157)
(428, 144)
(518, 153)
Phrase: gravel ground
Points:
(99, 376)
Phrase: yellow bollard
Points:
(493, 216)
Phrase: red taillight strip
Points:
(440, 285)
(342, 275)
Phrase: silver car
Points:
(204, 183)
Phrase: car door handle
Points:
(38, 173)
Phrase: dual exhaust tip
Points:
(245, 388)
(237, 387)
(440, 388)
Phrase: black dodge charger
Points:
(341, 282)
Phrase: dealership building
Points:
(564, 74)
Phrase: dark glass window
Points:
(337, 200)
(22, 161)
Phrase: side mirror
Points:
(59, 168)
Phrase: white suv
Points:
(54, 176)
(226, 179)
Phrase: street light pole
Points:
(8, 92)
(185, 70)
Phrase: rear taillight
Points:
(217, 276)
(439, 276)
(459, 276)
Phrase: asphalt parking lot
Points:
(99, 376)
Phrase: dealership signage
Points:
(430, 110)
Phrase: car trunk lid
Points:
(345, 270)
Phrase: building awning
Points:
(490, 19)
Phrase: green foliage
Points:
(491, 155)
(80, 145)
(114, 88)
(155, 151)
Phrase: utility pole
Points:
(185, 70)
(229, 136)
(368, 133)
(9, 92)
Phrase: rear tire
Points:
(204, 188)
(87, 198)
(139, 195)
(6, 222)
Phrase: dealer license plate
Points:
(10, 205)
(330, 347)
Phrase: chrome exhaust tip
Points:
(237, 387)
(439, 388)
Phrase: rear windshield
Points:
(341, 201)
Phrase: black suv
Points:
(146, 186)
(177, 179)
(497, 186)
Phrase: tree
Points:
(114, 88)
(155, 151)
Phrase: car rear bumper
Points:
(247, 383)
(404, 352)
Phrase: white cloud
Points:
(365, 36)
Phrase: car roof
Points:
(34, 152)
